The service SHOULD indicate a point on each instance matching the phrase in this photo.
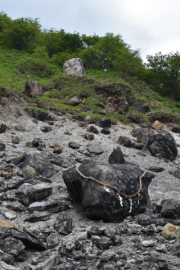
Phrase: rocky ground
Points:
(42, 228)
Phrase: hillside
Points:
(96, 86)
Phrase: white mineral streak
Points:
(121, 200)
(138, 197)
(106, 189)
(131, 204)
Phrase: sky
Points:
(149, 25)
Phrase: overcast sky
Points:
(151, 25)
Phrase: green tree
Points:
(41, 52)
(127, 61)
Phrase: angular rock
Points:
(4, 266)
(125, 141)
(63, 224)
(33, 89)
(116, 156)
(16, 110)
(28, 193)
(176, 173)
(95, 149)
(89, 137)
(38, 216)
(36, 142)
(74, 145)
(2, 146)
(74, 66)
(20, 128)
(74, 101)
(2, 128)
(78, 117)
(57, 149)
(53, 240)
(15, 140)
(105, 131)
(156, 169)
(93, 129)
(100, 202)
(141, 107)
(104, 122)
(11, 246)
(7, 258)
(15, 206)
(49, 206)
(41, 165)
(137, 145)
(157, 125)
(39, 115)
(148, 243)
(46, 128)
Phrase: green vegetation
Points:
(28, 52)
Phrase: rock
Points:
(11, 246)
(157, 125)
(38, 216)
(74, 66)
(38, 115)
(36, 142)
(57, 149)
(28, 171)
(41, 165)
(144, 125)
(95, 149)
(116, 156)
(144, 220)
(16, 110)
(78, 117)
(33, 89)
(7, 258)
(28, 144)
(141, 107)
(88, 119)
(46, 128)
(105, 131)
(137, 145)
(49, 206)
(16, 140)
(74, 145)
(2, 128)
(101, 104)
(161, 248)
(10, 214)
(125, 141)
(93, 129)
(28, 194)
(162, 145)
(176, 173)
(63, 224)
(20, 128)
(175, 250)
(104, 122)
(100, 202)
(74, 101)
(148, 243)
(175, 129)
(124, 107)
(170, 208)
(53, 240)
(89, 137)
(2, 146)
(156, 169)
(14, 206)
(4, 266)
(171, 231)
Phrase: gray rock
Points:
(4, 266)
(28, 193)
(63, 224)
(95, 149)
(93, 129)
(125, 141)
(156, 169)
(11, 246)
(2, 128)
(38, 216)
(116, 156)
(74, 66)
(104, 122)
(147, 243)
(53, 240)
(49, 206)
(74, 101)
(15, 206)
(74, 145)
(105, 131)
(33, 89)
(20, 127)
(141, 107)
(100, 202)
(7, 258)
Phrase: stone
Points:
(176, 173)
(33, 89)
(89, 137)
(4, 266)
(175, 249)
(57, 149)
(125, 141)
(124, 107)
(157, 125)
(161, 248)
(171, 232)
(147, 243)
(28, 171)
(16, 140)
(46, 128)
(156, 169)
(38, 115)
(28, 193)
(41, 165)
(170, 208)
(53, 240)
(137, 145)
(63, 224)
(2, 128)
(20, 128)
(74, 145)
(2, 146)
(7, 258)
(107, 256)
(74, 101)
(74, 66)
(104, 122)
(15, 110)
(14, 206)
(141, 107)
(10, 214)
(36, 142)
(49, 206)
(38, 216)
(87, 119)
(95, 149)
(78, 117)
(101, 202)
(93, 129)
(11, 246)
(101, 104)
(116, 156)
(105, 131)
(175, 129)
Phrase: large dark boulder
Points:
(104, 122)
(100, 202)
(160, 143)
(41, 165)
(38, 114)
(141, 107)
(125, 141)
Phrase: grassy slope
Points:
(17, 67)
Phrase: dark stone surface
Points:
(93, 129)
(63, 224)
(141, 107)
(105, 131)
(7, 258)
(74, 145)
(103, 203)
(95, 149)
(2, 128)
(156, 169)
(78, 117)
(104, 122)
(175, 129)
(2, 146)
(116, 156)
(125, 141)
